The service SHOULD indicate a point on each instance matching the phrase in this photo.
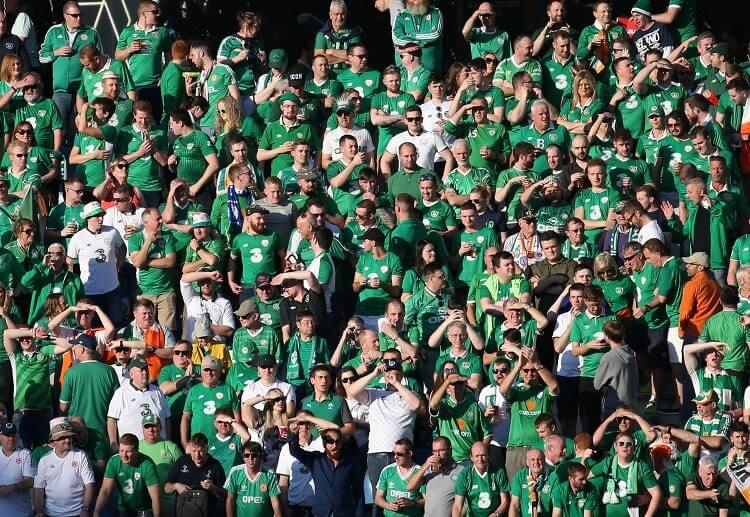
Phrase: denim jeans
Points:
(111, 304)
(65, 103)
(375, 465)
(33, 429)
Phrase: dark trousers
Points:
(6, 387)
(567, 405)
(33, 427)
(375, 465)
(152, 94)
(111, 304)
(497, 456)
(589, 405)
(152, 199)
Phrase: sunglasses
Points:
(28, 231)
(631, 257)
(122, 165)
(223, 422)
(24, 131)
(490, 61)
(625, 444)
(413, 119)
(500, 370)
(400, 454)
(73, 15)
(31, 87)
(183, 353)
(79, 191)
(331, 441)
(347, 380)
(253, 455)
(120, 199)
(22, 155)
(528, 370)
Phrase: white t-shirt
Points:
(219, 310)
(97, 257)
(650, 230)
(63, 480)
(568, 365)
(390, 418)
(118, 220)
(301, 484)
(129, 403)
(122, 373)
(13, 469)
(257, 388)
(428, 144)
(431, 114)
(491, 396)
(331, 141)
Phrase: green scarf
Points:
(613, 492)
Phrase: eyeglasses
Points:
(413, 119)
(360, 56)
(122, 165)
(28, 231)
(24, 131)
(631, 257)
(625, 444)
(223, 422)
(78, 191)
(120, 199)
(331, 441)
(22, 155)
(73, 15)
(347, 380)
(253, 455)
(400, 454)
(528, 370)
(500, 370)
(183, 353)
(154, 11)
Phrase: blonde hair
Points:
(6, 67)
(581, 76)
(270, 419)
(604, 261)
(231, 120)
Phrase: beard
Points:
(418, 7)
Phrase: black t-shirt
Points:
(311, 301)
(185, 471)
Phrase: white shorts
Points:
(674, 345)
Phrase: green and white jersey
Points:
(646, 283)
(718, 425)
(226, 450)
(631, 110)
(44, 117)
(91, 82)
(619, 168)
(575, 504)
(579, 113)
(551, 217)
(463, 423)
(586, 328)
(596, 206)
(39, 163)
(144, 172)
(526, 404)
(132, 482)
(676, 151)
(92, 171)
(203, 401)
(214, 86)
(438, 215)
(248, 344)
(341, 40)
(66, 70)
(61, 215)
(146, 65)
(371, 302)
(727, 387)
(670, 98)
(463, 182)
(172, 89)
(672, 483)
(415, 81)
(393, 483)
(390, 105)
(366, 83)
(492, 136)
(153, 280)
(726, 327)
(741, 251)
(554, 134)
(252, 493)
(558, 79)
(472, 264)
(31, 388)
(482, 42)
(618, 293)
(258, 254)
(493, 95)
(585, 250)
(672, 277)
(328, 88)
(523, 485)
(241, 375)
(243, 71)
(176, 400)
(191, 151)
(686, 23)
(513, 198)
(509, 67)
(164, 454)
(276, 134)
(468, 364)
(481, 492)
(425, 311)
(644, 478)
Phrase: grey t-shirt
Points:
(440, 492)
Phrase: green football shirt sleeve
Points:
(150, 477)
(110, 471)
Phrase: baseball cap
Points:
(8, 429)
(199, 220)
(529, 215)
(149, 419)
(306, 173)
(699, 258)
(296, 78)
(391, 364)
(265, 361)
(618, 207)
(656, 111)
(375, 235)
(262, 280)
(137, 362)
(256, 209)
(247, 307)
(203, 331)
(4, 178)
(277, 58)
(722, 49)
(211, 363)
(343, 106)
(92, 209)
(705, 397)
(84, 340)
(289, 96)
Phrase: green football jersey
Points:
(526, 404)
(257, 252)
(481, 492)
(44, 117)
(390, 105)
(463, 423)
(586, 328)
(226, 451)
(214, 86)
(203, 401)
(252, 496)
(482, 41)
(596, 207)
(646, 282)
(191, 151)
(146, 65)
(393, 483)
(144, 172)
(91, 82)
(371, 302)
(153, 280)
(472, 264)
(132, 482)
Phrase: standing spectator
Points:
(245, 54)
(215, 82)
(438, 474)
(262, 495)
(134, 399)
(25, 28)
(87, 390)
(726, 327)
(156, 340)
(132, 478)
(16, 473)
(487, 37)
(99, 251)
(421, 23)
(650, 35)
(163, 453)
(617, 368)
(153, 254)
(334, 38)
(295, 480)
(483, 490)
(198, 470)
(95, 66)
(144, 46)
(42, 113)
(206, 301)
(64, 483)
(52, 275)
(175, 381)
(700, 297)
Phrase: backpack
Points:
(193, 503)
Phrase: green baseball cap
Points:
(288, 96)
(199, 220)
(277, 58)
(138, 362)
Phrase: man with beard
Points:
(576, 497)
(422, 24)
(546, 198)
